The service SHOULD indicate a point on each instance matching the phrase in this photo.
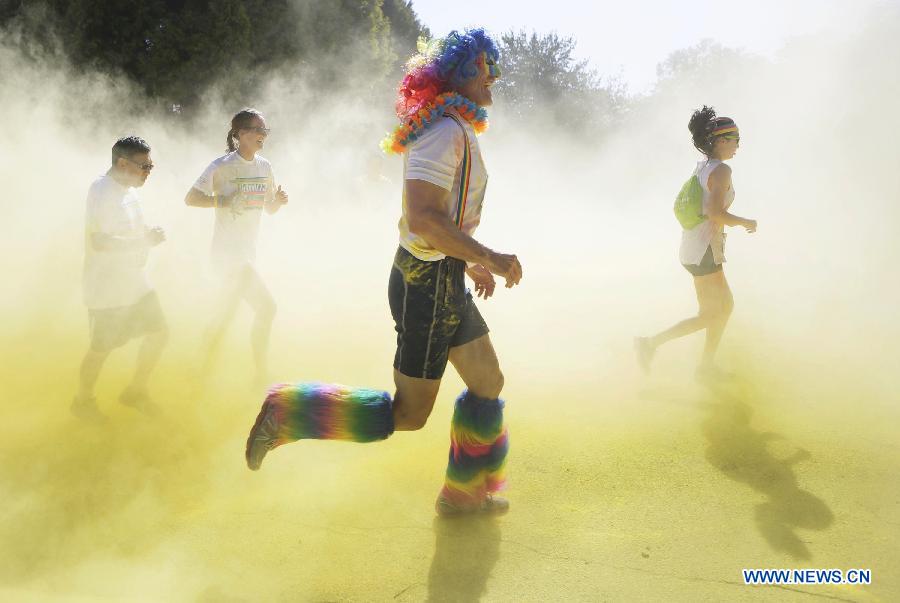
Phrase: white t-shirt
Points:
(697, 240)
(435, 157)
(114, 278)
(237, 228)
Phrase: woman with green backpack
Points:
(702, 209)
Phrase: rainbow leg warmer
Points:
(478, 445)
(325, 411)
(322, 411)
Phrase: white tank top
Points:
(697, 240)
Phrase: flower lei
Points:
(425, 117)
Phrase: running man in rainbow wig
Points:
(441, 105)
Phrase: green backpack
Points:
(689, 204)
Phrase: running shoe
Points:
(491, 505)
(263, 437)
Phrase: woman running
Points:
(239, 186)
(703, 246)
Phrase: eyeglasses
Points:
(144, 166)
(259, 130)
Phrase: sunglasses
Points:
(144, 166)
(259, 130)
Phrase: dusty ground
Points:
(622, 488)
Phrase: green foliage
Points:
(405, 26)
(176, 49)
(538, 68)
(703, 64)
(542, 80)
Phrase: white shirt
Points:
(237, 228)
(697, 240)
(435, 157)
(114, 278)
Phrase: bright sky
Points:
(632, 36)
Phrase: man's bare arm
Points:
(426, 205)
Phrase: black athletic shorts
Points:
(114, 327)
(706, 266)
(433, 312)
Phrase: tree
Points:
(542, 79)
(175, 50)
(405, 26)
(702, 64)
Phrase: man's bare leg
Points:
(84, 406)
(413, 401)
(91, 366)
(477, 364)
(148, 357)
(135, 395)
(478, 435)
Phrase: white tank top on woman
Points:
(697, 240)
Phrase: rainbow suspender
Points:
(464, 176)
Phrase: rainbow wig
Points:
(479, 442)
(432, 77)
(325, 411)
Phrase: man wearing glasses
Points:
(121, 303)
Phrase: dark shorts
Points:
(113, 327)
(706, 266)
(433, 312)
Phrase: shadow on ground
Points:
(742, 453)
(465, 551)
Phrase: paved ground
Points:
(623, 489)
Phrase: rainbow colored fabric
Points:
(723, 125)
(433, 75)
(465, 171)
(417, 123)
(479, 442)
(326, 411)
